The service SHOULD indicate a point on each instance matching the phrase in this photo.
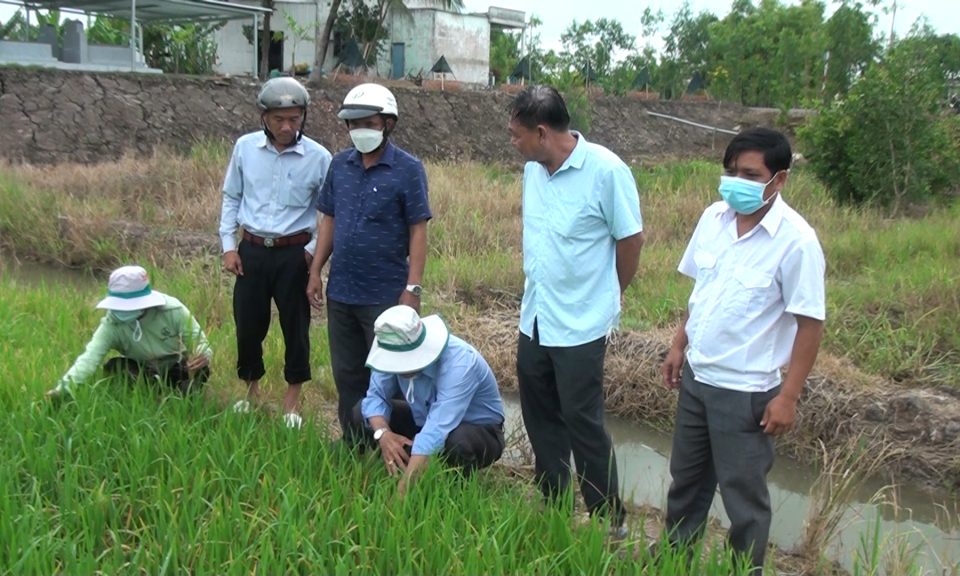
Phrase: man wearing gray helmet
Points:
(270, 190)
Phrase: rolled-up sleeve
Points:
(620, 202)
(802, 272)
(377, 401)
(232, 193)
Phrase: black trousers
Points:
(718, 439)
(470, 447)
(561, 398)
(279, 274)
(175, 376)
(350, 333)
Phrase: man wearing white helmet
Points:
(270, 189)
(155, 334)
(373, 229)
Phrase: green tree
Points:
(592, 45)
(850, 42)
(300, 33)
(887, 142)
(360, 21)
(685, 49)
(504, 53)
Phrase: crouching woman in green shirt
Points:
(156, 335)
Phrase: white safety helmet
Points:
(367, 100)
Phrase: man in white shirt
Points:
(270, 189)
(758, 304)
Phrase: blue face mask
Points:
(126, 315)
(744, 196)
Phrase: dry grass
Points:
(892, 286)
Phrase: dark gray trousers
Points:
(350, 335)
(561, 398)
(718, 439)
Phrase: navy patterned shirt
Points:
(373, 210)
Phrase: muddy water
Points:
(924, 520)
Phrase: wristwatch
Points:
(378, 433)
(414, 289)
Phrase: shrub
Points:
(888, 142)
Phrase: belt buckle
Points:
(268, 242)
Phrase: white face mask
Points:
(366, 140)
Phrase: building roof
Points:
(155, 11)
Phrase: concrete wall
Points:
(465, 42)
(463, 39)
(235, 53)
(52, 116)
(416, 34)
(428, 34)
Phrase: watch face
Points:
(417, 291)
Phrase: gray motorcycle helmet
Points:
(283, 92)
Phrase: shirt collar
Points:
(387, 158)
(577, 156)
(771, 220)
(296, 148)
(431, 371)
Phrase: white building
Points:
(414, 43)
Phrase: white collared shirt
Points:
(272, 193)
(747, 293)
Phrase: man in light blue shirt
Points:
(582, 234)
(451, 405)
(269, 190)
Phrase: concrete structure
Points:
(76, 54)
(414, 43)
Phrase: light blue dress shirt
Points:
(458, 387)
(572, 221)
(269, 193)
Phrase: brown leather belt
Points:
(296, 239)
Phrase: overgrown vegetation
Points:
(889, 141)
(121, 478)
(892, 284)
(770, 53)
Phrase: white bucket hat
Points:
(406, 343)
(129, 289)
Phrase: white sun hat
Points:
(129, 289)
(406, 343)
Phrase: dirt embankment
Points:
(52, 116)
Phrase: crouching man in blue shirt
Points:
(452, 404)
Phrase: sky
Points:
(942, 14)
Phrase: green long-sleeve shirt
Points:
(169, 333)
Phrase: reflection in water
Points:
(642, 460)
(34, 274)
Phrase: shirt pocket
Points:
(571, 220)
(748, 290)
(296, 195)
(380, 205)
